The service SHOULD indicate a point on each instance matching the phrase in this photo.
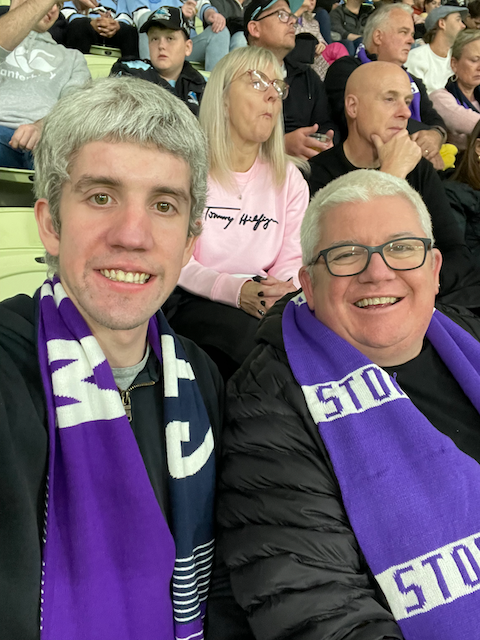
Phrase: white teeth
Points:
(366, 302)
(125, 276)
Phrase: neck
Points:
(170, 75)
(359, 152)
(244, 153)
(466, 90)
(440, 46)
(122, 348)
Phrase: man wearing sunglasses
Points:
(35, 72)
(271, 24)
(349, 498)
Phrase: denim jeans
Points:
(13, 158)
(210, 47)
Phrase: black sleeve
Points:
(335, 83)
(321, 109)
(296, 569)
(430, 117)
(337, 22)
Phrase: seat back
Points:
(16, 187)
(99, 66)
(20, 249)
(100, 50)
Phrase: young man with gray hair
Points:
(107, 418)
(34, 73)
(388, 37)
(349, 500)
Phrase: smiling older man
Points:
(106, 448)
(350, 487)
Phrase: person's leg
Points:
(126, 39)
(80, 35)
(323, 20)
(210, 47)
(237, 40)
(13, 158)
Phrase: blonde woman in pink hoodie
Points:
(248, 255)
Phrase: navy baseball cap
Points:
(256, 7)
(166, 18)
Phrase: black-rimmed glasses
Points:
(283, 16)
(260, 82)
(403, 254)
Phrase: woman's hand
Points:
(320, 48)
(256, 298)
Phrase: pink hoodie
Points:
(253, 229)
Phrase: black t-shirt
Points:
(435, 392)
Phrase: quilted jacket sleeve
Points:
(294, 562)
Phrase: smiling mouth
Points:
(375, 302)
(133, 277)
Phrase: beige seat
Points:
(20, 249)
(99, 65)
(16, 187)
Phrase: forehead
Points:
(472, 47)
(160, 31)
(370, 223)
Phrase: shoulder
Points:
(418, 53)
(463, 317)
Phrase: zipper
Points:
(127, 401)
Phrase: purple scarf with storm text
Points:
(412, 497)
(362, 55)
(110, 561)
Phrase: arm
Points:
(457, 119)
(321, 109)
(80, 74)
(295, 566)
(428, 113)
(289, 259)
(336, 19)
(335, 82)
(214, 19)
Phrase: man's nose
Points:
(131, 228)
(377, 270)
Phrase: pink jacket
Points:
(248, 230)
(459, 121)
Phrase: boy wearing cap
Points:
(169, 43)
(431, 62)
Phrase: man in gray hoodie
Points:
(35, 73)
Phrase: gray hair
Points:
(363, 185)
(462, 40)
(379, 18)
(118, 110)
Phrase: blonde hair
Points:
(214, 115)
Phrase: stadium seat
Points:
(16, 187)
(20, 250)
(109, 52)
(99, 65)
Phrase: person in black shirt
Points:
(377, 101)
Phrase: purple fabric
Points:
(362, 55)
(412, 497)
(109, 555)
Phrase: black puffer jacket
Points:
(295, 564)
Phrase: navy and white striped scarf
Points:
(412, 497)
(111, 567)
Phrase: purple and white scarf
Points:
(111, 567)
(361, 54)
(412, 497)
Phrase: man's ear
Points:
(189, 247)
(49, 237)
(253, 29)
(441, 24)
(437, 264)
(307, 286)
(188, 47)
(377, 37)
(351, 106)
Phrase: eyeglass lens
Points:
(261, 83)
(400, 255)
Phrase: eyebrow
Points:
(87, 182)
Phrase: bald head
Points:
(377, 100)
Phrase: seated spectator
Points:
(169, 42)
(419, 19)
(35, 72)
(232, 11)
(388, 37)
(463, 190)
(350, 459)
(209, 46)
(271, 24)
(431, 61)
(348, 20)
(108, 24)
(324, 54)
(472, 20)
(459, 102)
(249, 253)
(377, 106)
